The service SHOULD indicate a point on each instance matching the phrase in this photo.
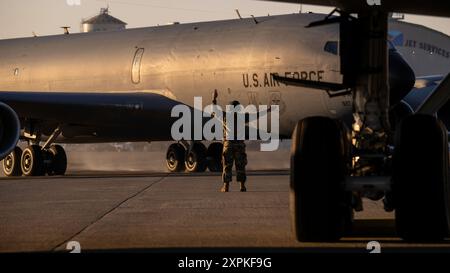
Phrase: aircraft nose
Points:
(401, 77)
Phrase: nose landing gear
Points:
(319, 203)
(410, 171)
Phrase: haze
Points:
(20, 18)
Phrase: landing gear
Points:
(175, 158)
(420, 179)
(32, 161)
(35, 161)
(318, 168)
(214, 157)
(196, 158)
(413, 179)
(11, 163)
(58, 160)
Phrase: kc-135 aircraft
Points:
(326, 74)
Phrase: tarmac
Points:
(130, 211)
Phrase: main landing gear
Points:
(194, 157)
(35, 161)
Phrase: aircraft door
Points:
(136, 66)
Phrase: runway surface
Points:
(158, 211)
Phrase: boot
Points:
(243, 188)
(357, 202)
(225, 187)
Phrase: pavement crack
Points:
(109, 211)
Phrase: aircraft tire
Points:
(318, 208)
(175, 158)
(58, 160)
(11, 163)
(32, 161)
(420, 184)
(214, 155)
(196, 158)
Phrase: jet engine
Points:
(9, 130)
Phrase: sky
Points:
(20, 18)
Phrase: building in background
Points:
(102, 22)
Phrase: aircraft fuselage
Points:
(236, 57)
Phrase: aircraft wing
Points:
(430, 7)
(94, 110)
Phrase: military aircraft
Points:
(326, 74)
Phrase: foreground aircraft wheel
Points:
(175, 157)
(420, 179)
(11, 163)
(32, 161)
(196, 158)
(58, 164)
(318, 208)
(214, 156)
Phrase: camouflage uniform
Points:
(233, 151)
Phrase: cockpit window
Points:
(331, 47)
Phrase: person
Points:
(233, 152)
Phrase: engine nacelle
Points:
(9, 130)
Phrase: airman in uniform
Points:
(233, 152)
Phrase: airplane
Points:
(326, 74)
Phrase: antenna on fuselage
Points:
(254, 19)
(238, 13)
(240, 17)
(66, 30)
